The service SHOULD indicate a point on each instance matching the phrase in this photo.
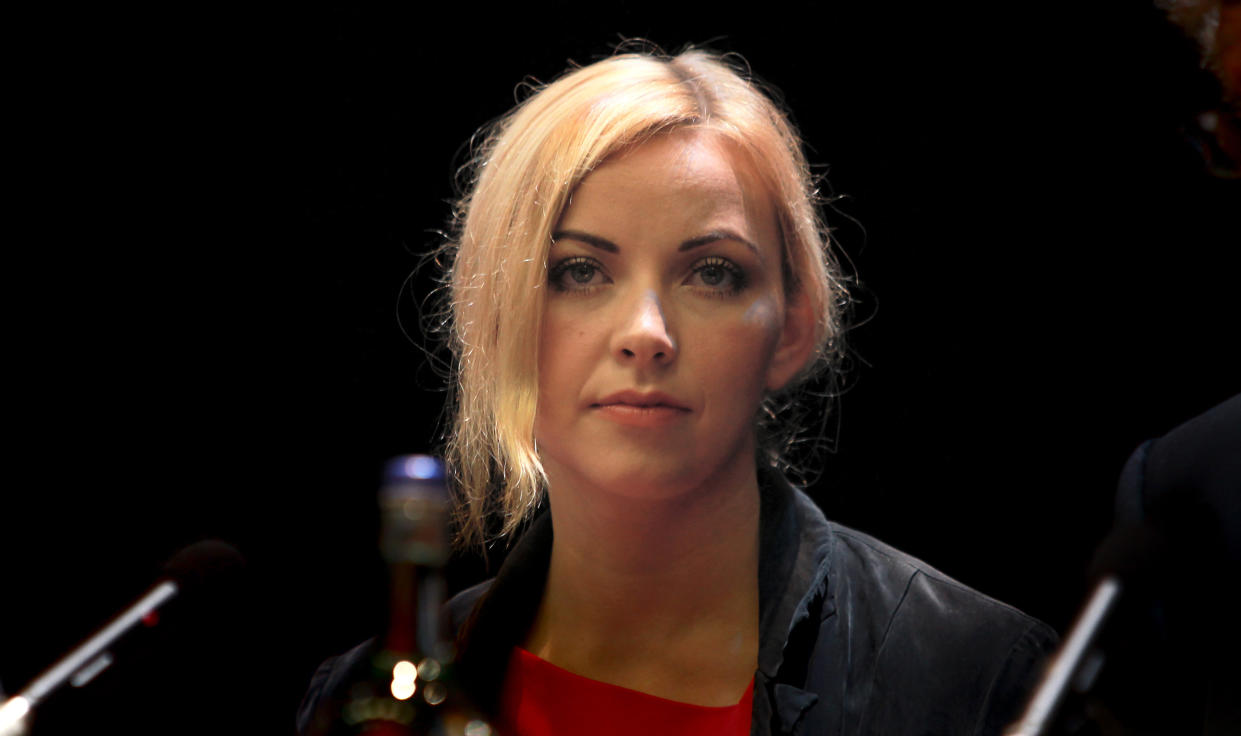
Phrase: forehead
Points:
(683, 158)
(687, 177)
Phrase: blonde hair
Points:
(521, 176)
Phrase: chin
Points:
(643, 475)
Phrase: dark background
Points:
(215, 219)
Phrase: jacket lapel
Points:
(795, 598)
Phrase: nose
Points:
(644, 336)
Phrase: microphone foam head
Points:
(1136, 553)
(204, 563)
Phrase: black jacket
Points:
(855, 637)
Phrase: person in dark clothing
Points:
(639, 280)
(1169, 652)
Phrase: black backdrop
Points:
(217, 217)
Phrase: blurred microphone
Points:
(197, 568)
(1130, 557)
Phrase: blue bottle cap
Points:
(414, 467)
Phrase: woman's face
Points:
(666, 320)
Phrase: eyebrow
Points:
(604, 244)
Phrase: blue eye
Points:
(575, 273)
(718, 274)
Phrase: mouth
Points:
(641, 401)
(642, 410)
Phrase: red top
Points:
(541, 699)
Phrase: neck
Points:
(644, 589)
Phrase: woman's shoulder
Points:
(866, 565)
(878, 574)
(872, 577)
(945, 650)
(328, 683)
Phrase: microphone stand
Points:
(1067, 661)
(82, 664)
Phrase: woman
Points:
(639, 275)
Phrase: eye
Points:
(576, 273)
(718, 274)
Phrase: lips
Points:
(641, 400)
(646, 410)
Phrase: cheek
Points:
(742, 349)
(761, 325)
(763, 316)
(564, 347)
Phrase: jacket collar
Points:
(503, 615)
(794, 554)
(794, 596)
